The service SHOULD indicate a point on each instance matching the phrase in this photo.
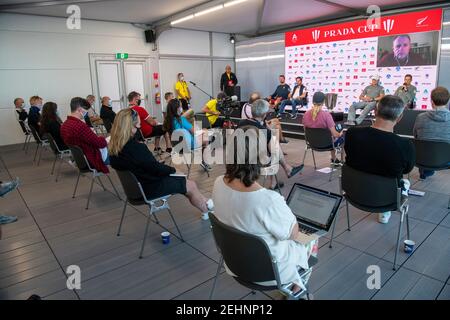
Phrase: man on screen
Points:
(368, 100)
(407, 92)
(401, 54)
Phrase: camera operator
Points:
(407, 92)
(213, 113)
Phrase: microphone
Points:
(192, 83)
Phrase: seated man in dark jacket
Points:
(378, 150)
(281, 92)
(107, 114)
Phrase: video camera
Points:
(227, 104)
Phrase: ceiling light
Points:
(182, 19)
(208, 10)
(232, 3)
(447, 23)
(232, 39)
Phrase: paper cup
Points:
(409, 246)
(165, 237)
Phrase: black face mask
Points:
(139, 102)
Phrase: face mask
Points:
(139, 102)
(84, 113)
(180, 111)
(181, 78)
(110, 104)
(57, 114)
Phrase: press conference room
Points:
(224, 150)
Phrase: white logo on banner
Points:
(388, 25)
(294, 38)
(316, 35)
(421, 21)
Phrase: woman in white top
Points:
(244, 204)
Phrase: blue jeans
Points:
(294, 103)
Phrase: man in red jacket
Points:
(75, 132)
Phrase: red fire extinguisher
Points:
(158, 98)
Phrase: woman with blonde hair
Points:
(318, 118)
(127, 153)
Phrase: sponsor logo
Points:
(294, 38)
(420, 22)
(388, 25)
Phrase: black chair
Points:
(320, 140)
(432, 155)
(85, 168)
(373, 193)
(27, 133)
(135, 195)
(406, 124)
(249, 258)
(59, 154)
(40, 143)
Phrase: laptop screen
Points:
(314, 206)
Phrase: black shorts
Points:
(218, 123)
(157, 131)
(165, 186)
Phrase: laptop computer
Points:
(315, 210)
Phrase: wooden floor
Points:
(55, 231)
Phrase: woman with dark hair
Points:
(51, 124)
(176, 120)
(241, 202)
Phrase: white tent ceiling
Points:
(250, 17)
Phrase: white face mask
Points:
(180, 111)
(182, 78)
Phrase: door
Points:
(109, 75)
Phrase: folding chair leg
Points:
(35, 153)
(216, 277)
(123, 216)
(407, 224)
(402, 216)
(332, 231)
(115, 190)
(76, 184)
(348, 215)
(25, 143)
(176, 225)
(59, 169)
(40, 155)
(101, 183)
(314, 159)
(90, 192)
(448, 206)
(53, 166)
(145, 234)
(304, 155)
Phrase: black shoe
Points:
(296, 170)
(169, 150)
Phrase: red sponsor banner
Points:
(423, 21)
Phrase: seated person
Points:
(51, 124)
(167, 96)
(149, 126)
(297, 98)
(281, 92)
(93, 116)
(176, 120)
(260, 108)
(107, 114)
(127, 153)
(212, 114)
(369, 98)
(407, 92)
(378, 150)
(242, 203)
(75, 132)
(34, 115)
(246, 113)
(434, 125)
(317, 118)
(21, 113)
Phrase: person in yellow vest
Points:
(183, 93)
(212, 113)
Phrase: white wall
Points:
(40, 56)
(201, 56)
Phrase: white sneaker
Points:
(384, 217)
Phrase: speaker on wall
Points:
(150, 36)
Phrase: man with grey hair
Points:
(378, 150)
(260, 108)
(368, 100)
